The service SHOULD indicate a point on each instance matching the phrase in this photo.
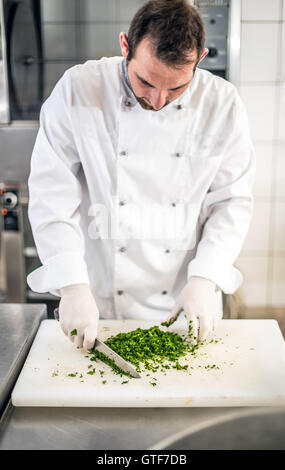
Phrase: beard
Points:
(146, 105)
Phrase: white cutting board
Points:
(249, 354)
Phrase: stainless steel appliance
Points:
(222, 20)
(18, 254)
(22, 59)
(12, 249)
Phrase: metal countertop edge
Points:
(17, 365)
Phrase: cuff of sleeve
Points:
(59, 271)
(227, 277)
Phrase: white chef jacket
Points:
(100, 166)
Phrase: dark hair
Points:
(174, 27)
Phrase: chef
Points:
(140, 184)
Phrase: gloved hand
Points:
(78, 311)
(199, 301)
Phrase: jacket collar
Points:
(129, 95)
(131, 101)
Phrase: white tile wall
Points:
(128, 8)
(98, 10)
(254, 289)
(277, 297)
(262, 184)
(260, 104)
(259, 52)
(258, 235)
(282, 50)
(261, 10)
(54, 10)
(78, 30)
(262, 88)
(92, 45)
(59, 41)
(279, 227)
(279, 180)
(281, 127)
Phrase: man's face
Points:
(154, 83)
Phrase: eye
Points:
(145, 84)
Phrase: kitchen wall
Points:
(262, 87)
(75, 31)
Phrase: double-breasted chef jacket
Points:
(135, 202)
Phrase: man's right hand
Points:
(79, 315)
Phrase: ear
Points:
(203, 55)
(124, 45)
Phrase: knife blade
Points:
(104, 349)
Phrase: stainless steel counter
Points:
(18, 326)
(118, 428)
(101, 428)
(85, 428)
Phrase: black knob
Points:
(9, 200)
(213, 52)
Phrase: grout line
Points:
(262, 254)
(279, 62)
(281, 6)
(261, 21)
(255, 83)
(270, 199)
(272, 215)
(84, 22)
(77, 30)
(269, 143)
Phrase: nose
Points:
(158, 99)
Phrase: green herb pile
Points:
(150, 348)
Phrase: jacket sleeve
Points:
(227, 208)
(55, 196)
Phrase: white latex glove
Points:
(199, 301)
(78, 311)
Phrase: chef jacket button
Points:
(173, 204)
(120, 292)
(167, 251)
(164, 292)
(123, 153)
(179, 106)
(122, 203)
(178, 154)
(123, 248)
(128, 102)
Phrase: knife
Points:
(103, 348)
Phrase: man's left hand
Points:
(199, 301)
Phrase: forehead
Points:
(149, 67)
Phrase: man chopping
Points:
(140, 185)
